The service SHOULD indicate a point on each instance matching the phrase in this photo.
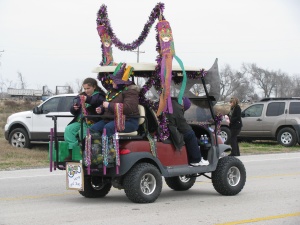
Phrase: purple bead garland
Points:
(218, 119)
(102, 19)
(154, 79)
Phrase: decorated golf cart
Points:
(137, 161)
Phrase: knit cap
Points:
(186, 103)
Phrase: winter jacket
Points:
(129, 98)
(92, 102)
(177, 125)
(235, 118)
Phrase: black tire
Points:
(229, 177)
(143, 183)
(287, 137)
(180, 183)
(225, 134)
(95, 187)
(19, 138)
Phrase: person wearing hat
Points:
(182, 133)
(122, 95)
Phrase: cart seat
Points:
(141, 121)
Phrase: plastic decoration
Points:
(84, 110)
(88, 141)
(116, 146)
(218, 120)
(167, 52)
(119, 117)
(107, 56)
(152, 145)
(163, 128)
(102, 19)
(104, 150)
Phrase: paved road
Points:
(271, 196)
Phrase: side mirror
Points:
(243, 114)
(36, 110)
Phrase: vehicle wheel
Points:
(19, 138)
(95, 187)
(225, 134)
(287, 137)
(229, 177)
(143, 183)
(180, 183)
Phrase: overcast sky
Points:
(54, 42)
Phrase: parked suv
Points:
(22, 128)
(272, 119)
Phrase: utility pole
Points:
(138, 54)
(1, 55)
(138, 60)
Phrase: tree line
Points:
(253, 83)
(249, 83)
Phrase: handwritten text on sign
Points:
(74, 172)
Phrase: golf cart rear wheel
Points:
(180, 183)
(229, 177)
(143, 183)
(95, 187)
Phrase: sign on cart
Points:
(75, 176)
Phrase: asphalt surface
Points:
(271, 196)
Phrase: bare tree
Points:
(23, 84)
(78, 85)
(68, 88)
(234, 83)
(266, 80)
(47, 91)
(5, 83)
(245, 90)
(284, 85)
(296, 87)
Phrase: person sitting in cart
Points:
(84, 104)
(182, 133)
(121, 101)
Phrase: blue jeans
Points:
(191, 144)
(131, 124)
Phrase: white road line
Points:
(271, 159)
(3, 178)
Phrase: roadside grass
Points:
(12, 158)
(265, 147)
